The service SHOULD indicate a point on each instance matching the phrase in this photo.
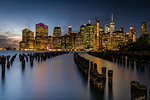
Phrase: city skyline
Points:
(17, 15)
(107, 28)
(89, 38)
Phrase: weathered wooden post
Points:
(138, 91)
(101, 81)
(23, 63)
(8, 64)
(104, 71)
(110, 76)
(127, 61)
(27, 58)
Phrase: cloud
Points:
(9, 38)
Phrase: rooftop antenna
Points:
(112, 17)
(96, 19)
(89, 22)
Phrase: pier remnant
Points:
(138, 91)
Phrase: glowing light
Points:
(70, 26)
(47, 48)
(41, 25)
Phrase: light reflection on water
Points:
(56, 79)
(122, 76)
(59, 79)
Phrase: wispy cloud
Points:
(9, 38)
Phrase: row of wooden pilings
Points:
(41, 56)
(5, 60)
(138, 91)
(125, 58)
(90, 69)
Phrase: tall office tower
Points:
(70, 29)
(22, 43)
(97, 44)
(41, 37)
(50, 42)
(144, 28)
(131, 33)
(107, 28)
(73, 36)
(57, 38)
(82, 32)
(28, 39)
(97, 29)
(89, 36)
(24, 34)
(112, 25)
(121, 30)
(134, 37)
(97, 35)
(127, 37)
(57, 32)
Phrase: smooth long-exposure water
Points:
(58, 78)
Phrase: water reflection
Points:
(97, 94)
(3, 74)
(22, 68)
(59, 78)
(131, 64)
(123, 75)
(110, 91)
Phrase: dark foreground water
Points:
(59, 79)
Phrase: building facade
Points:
(41, 37)
(28, 42)
(107, 28)
(90, 38)
(57, 38)
(144, 28)
(112, 25)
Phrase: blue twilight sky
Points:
(16, 15)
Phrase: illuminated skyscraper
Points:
(107, 28)
(78, 42)
(50, 42)
(112, 25)
(116, 38)
(24, 34)
(144, 28)
(131, 33)
(97, 35)
(70, 29)
(73, 35)
(57, 32)
(82, 32)
(89, 36)
(134, 37)
(66, 42)
(27, 40)
(57, 38)
(41, 36)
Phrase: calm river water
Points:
(59, 79)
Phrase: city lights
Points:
(90, 38)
